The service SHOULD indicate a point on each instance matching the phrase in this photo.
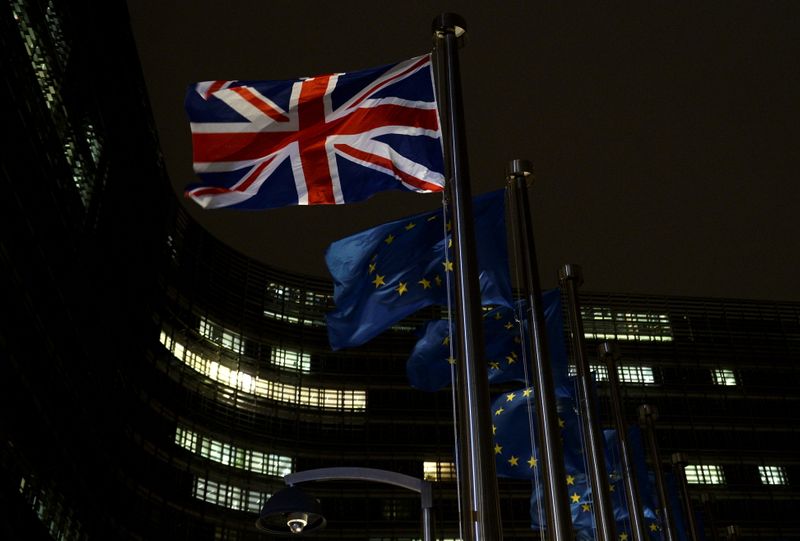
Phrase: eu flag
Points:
(580, 493)
(428, 366)
(387, 273)
(514, 428)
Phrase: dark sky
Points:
(665, 138)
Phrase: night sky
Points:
(665, 138)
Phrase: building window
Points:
(723, 376)
(290, 359)
(288, 303)
(704, 474)
(50, 508)
(230, 455)
(224, 495)
(604, 324)
(773, 475)
(626, 373)
(315, 397)
(220, 335)
(438, 471)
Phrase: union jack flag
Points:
(323, 140)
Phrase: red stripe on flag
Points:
(372, 90)
(259, 104)
(388, 164)
(311, 115)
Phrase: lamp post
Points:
(291, 511)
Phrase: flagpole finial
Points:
(607, 349)
(646, 410)
(450, 22)
(571, 271)
(520, 168)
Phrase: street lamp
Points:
(291, 511)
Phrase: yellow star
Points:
(570, 479)
(389, 239)
(510, 397)
(586, 507)
(526, 393)
(401, 288)
(509, 325)
(378, 281)
(653, 527)
(494, 365)
(498, 449)
(532, 462)
(510, 359)
(451, 360)
(448, 265)
(611, 488)
(498, 316)
(426, 284)
(438, 280)
(449, 243)
(561, 423)
(513, 461)
(623, 537)
(575, 497)
(449, 225)
(499, 411)
(517, 340)
(445, 340)
(371, 268)
(494, 429)
(411, 226)
(432, 218)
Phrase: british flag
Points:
(324, 140)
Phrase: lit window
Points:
(56, 34)
(287, 304)
(293, 360)
(92, 141)
(603, 324)
(246, 459)
(723, 376)
(627, 373)
(220, 335)
(773, 475)
(439, 471)
(332, 399)
(229, 496)
(50, 508)
(704, 474)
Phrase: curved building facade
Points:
(158, 385)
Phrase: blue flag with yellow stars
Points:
(428, 366)
(579, 493)
(387, 273)
(514, 422)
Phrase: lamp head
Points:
(290, 511)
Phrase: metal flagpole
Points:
(705, 497)
(648, 415)
(608, 354)
(480, 510)
(559, 521)
(570, 277)
(679, 463)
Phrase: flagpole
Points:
(480, 510)
(559, 519)
(608, 355)
(679, 463)
(570, 277)
(648, 415)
